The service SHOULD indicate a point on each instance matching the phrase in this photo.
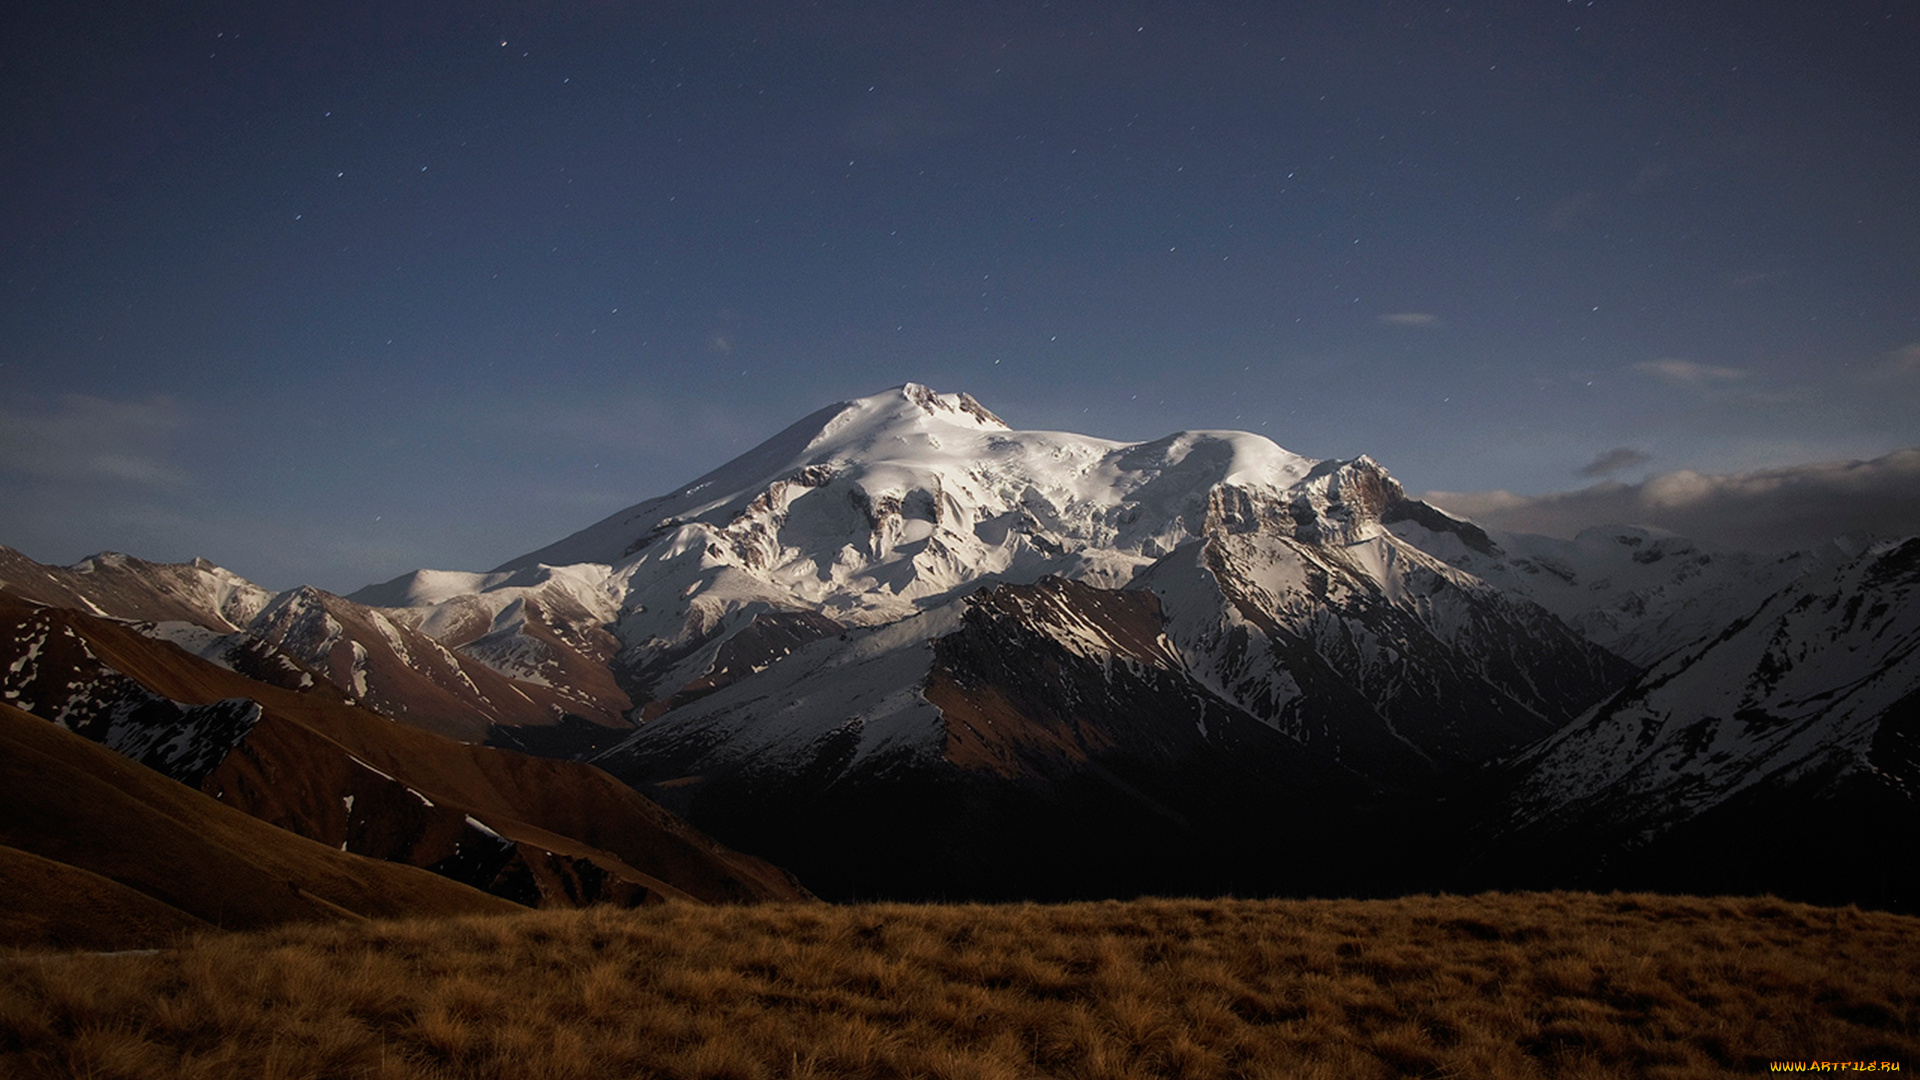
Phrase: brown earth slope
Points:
(101, 852)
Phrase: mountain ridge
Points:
(896, 643)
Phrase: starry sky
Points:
(328, 294)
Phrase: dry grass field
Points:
(1504, 985)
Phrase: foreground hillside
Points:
(1499, 985)
(100, 852)
(305, 758)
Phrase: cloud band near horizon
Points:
(1776, 509)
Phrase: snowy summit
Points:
(868, 508)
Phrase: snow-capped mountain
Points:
(536, 657)
(902, 648)
(119, 586)
(878, 509)
(1368, 650)
(888, 509)
(790, 614)
(893, 506)
(1790, 736)
(1639, 591)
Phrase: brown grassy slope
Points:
(48, 903)
(69, 801)
(291, 770)
(1494, 986)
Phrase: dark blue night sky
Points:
(331, 294)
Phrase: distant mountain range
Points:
(901, 649)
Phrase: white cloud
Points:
(1689, 373)
(1410, 318)
(89, 439)
(1767, 509)
(1612, 461)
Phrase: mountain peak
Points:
(914, 474)
(949, 406)
(906, 412)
